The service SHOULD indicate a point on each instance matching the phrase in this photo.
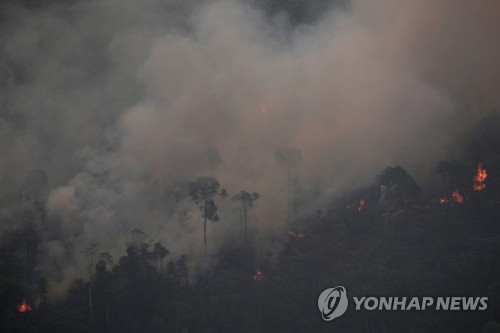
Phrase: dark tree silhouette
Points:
(247, 201)
(400, 185)
(202, 192)
(397, 189)
(159, 252)
(105, 259)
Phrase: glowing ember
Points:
(443, 201)
(361, 204)
(296, 234)
(24, 307)
(258, 275)
(479, 178)
(458, 197)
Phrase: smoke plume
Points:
(122, 103)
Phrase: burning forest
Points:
(222, 165)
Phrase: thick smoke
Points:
(121, 103)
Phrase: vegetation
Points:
(202, 192)
(247, 201)
(428, 247)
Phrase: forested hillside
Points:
(408, 243)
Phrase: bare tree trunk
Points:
(205, 234)
(245, 218)
(179, 319)
(205, 226)
(107, 315)
(89, 252)
(91, 311)
(386, 227)
(289, 195)
(241, 224)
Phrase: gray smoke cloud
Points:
(121, 103)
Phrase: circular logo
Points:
(332, 303)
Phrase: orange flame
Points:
(23, 307)
(458, 197)
(296, 234)
(361, 205)
(479, 178)
(258, 275)
(443, 201)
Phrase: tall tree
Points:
(159, 252)
(202, 192)
(288, 157)
(90, 252)
(247, 201)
